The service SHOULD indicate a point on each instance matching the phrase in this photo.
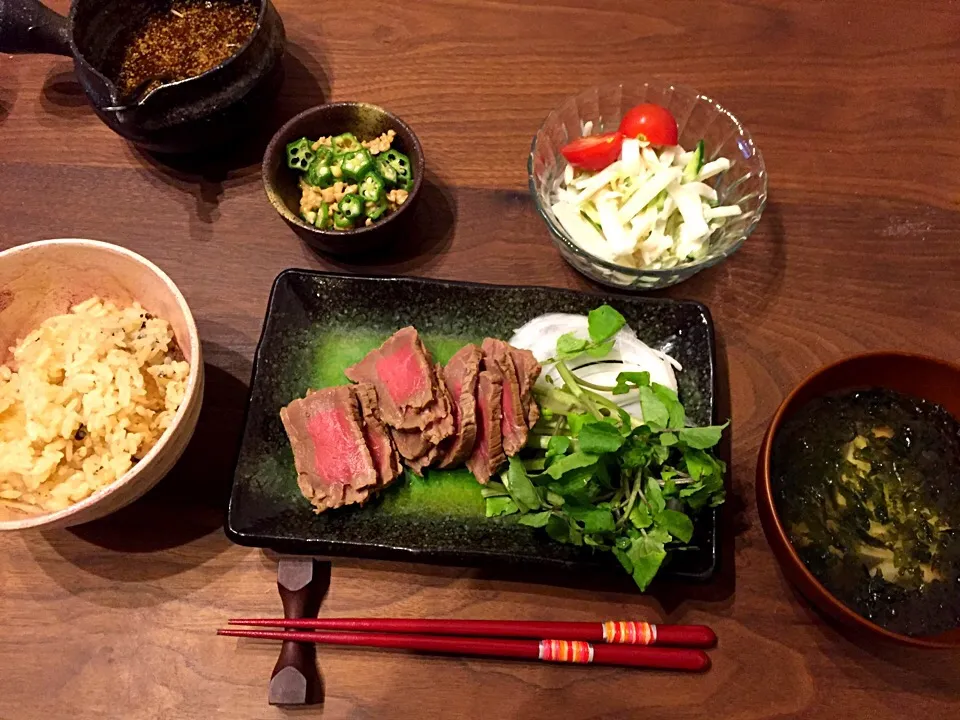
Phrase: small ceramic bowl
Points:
(698, 118)
(366, 122)
(922, 377)
(43, 279)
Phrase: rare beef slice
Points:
(460, 378)
(422, 448)
(334, 465)
(418, 465)
(496, 355)
(377, 436)
(411, 444)
(410, 394)
(528, 370)
(441, 424)
(487, 455)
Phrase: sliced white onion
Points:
(656, 244)
(629, 354)
(703, 190)
(690, 207)
(713, 168)
(599, 181)
(668, 155)
(650, 158)
(613, 230)
(630, 157)
(583, 233)
(722, 211)
(647, 192)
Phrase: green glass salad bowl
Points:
(600, 110)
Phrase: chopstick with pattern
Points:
(554, 650)
(611, 632)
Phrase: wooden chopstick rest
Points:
(302, 583)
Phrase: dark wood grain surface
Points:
(855, 106)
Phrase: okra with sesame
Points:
(346, 183)
(346, 143)
(371, 187)
(299, 154)
(357, 164)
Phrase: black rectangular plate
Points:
(318, 323)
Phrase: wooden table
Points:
(855, 107)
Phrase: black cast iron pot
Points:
(175, 117)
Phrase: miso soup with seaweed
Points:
(867, 485)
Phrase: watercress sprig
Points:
(594, 475)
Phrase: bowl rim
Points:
(291, 217)
(764, 492)
(696, 265)
(46, 518)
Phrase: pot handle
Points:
(28, 26)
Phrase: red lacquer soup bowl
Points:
(921, 377)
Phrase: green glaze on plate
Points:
(318, 324)
(439, 493)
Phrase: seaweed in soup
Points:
(867, 484)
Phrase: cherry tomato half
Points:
(650, 122)
(593, 152)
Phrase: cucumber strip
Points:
(695, 163)
(589, 211)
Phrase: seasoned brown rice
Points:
(87, 394)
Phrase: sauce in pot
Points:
(188, 39)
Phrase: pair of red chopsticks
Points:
(635, 644)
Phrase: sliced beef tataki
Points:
(442, 424)
(414, 402)
(411, 444)
(438, 432)
(487, 455)
(460, 377)
(382, 450)
(406, 381)
(528, 370)
(334, 466)
(417, 452)
(433, 415)
(421, 448)
(496, 355)
(418, 465)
